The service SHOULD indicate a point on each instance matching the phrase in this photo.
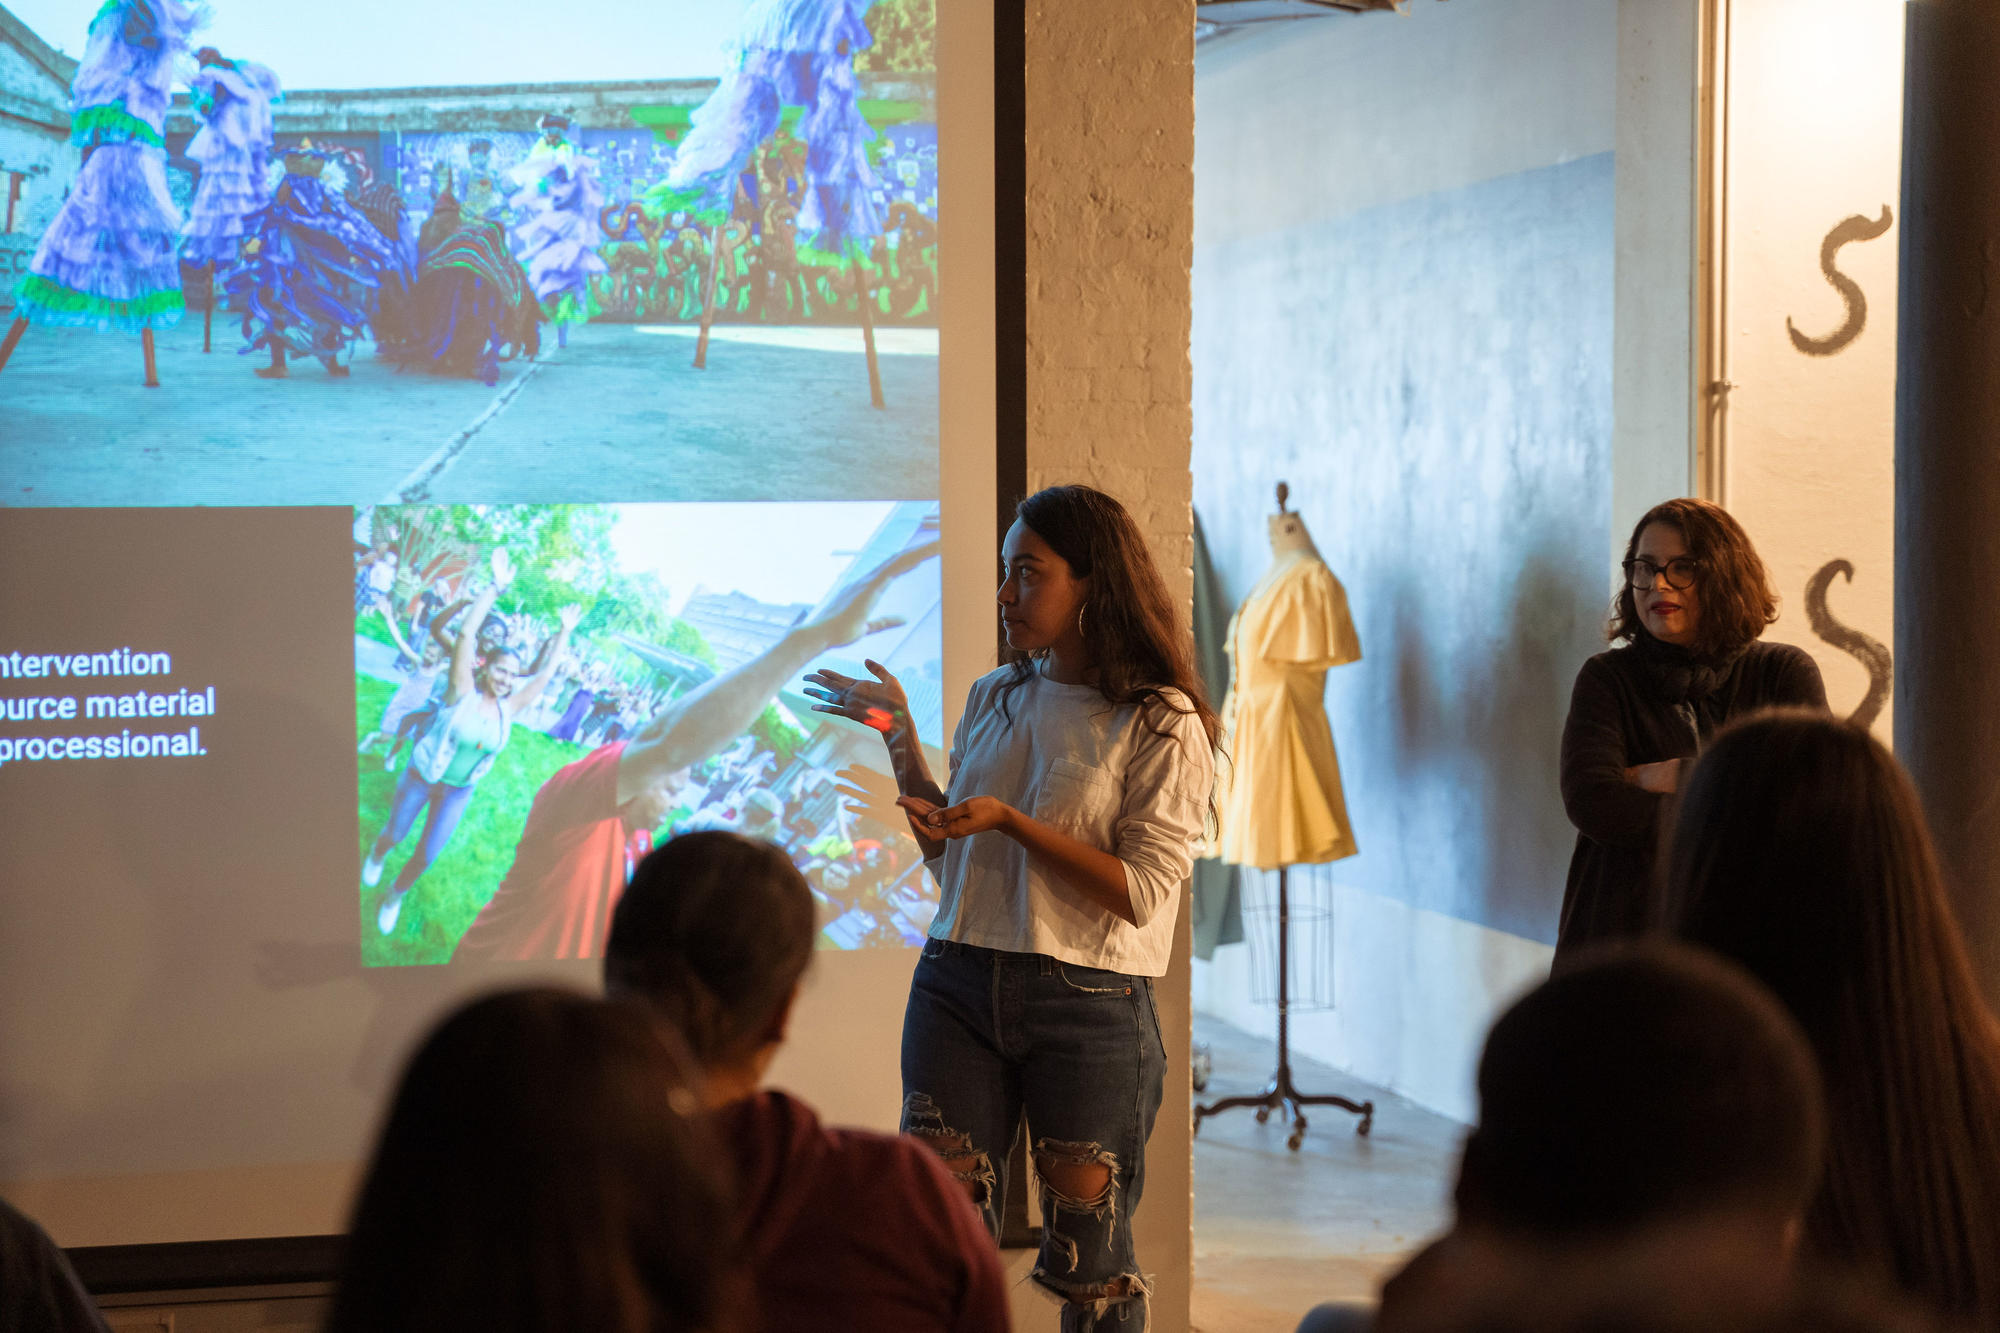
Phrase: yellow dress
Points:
(1282, 804)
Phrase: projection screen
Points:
(542, 397)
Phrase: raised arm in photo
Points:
(695, 726)
(546, 663)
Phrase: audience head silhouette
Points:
(841, 1228)
(1648, 1084)
(540, 1170)
(1650, 1129)
(1801, 851)
(715, 932)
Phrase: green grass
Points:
(370, 625)
(448, 897)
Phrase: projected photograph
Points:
(544, 693)
(468, 251)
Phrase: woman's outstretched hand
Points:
(977, 814)
(879, 703)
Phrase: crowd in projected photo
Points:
(248, 194)
(543, 693)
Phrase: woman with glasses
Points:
(1687, 621)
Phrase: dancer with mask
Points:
(558, 197)
(233, 148)
(310, 264)
(473, 306)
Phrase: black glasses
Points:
(1679, 572)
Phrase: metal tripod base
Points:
(1280, 1096)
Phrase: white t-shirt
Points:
(1105, 776)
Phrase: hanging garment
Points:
(1215, 891)
(1282, 803)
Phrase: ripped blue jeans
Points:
(989, 1037)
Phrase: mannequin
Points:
(1282, 804)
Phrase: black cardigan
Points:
(1618, 719)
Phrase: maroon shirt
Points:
(848, 1229)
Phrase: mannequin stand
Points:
(1281, 1095)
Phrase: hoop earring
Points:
(1079, 623)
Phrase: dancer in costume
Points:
(790, 53)
(559, 199)
(484, 198)
(310, 265)
(392, 306)
(110, 260)
(233, 99)
(473, 305)
(485, 694)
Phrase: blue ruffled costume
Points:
(110, 259)
(234, 150)
(310, 262)
(559, 200)
(792, 53)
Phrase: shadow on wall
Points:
(1498, 739)
(1433, 378)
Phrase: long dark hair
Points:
(542, 1168)
(1137, 643)
(714, 932)
(1737, 604)
(1801, 851)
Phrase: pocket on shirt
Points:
(1080, 799)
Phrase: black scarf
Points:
(1682, 676)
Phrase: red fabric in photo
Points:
(571, 863)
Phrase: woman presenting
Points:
(1081, 777)
(1694, 601)
(471, 728)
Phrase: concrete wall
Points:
(36, 162)
(1110, 111)
(1404, 293)
(1655, 342)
